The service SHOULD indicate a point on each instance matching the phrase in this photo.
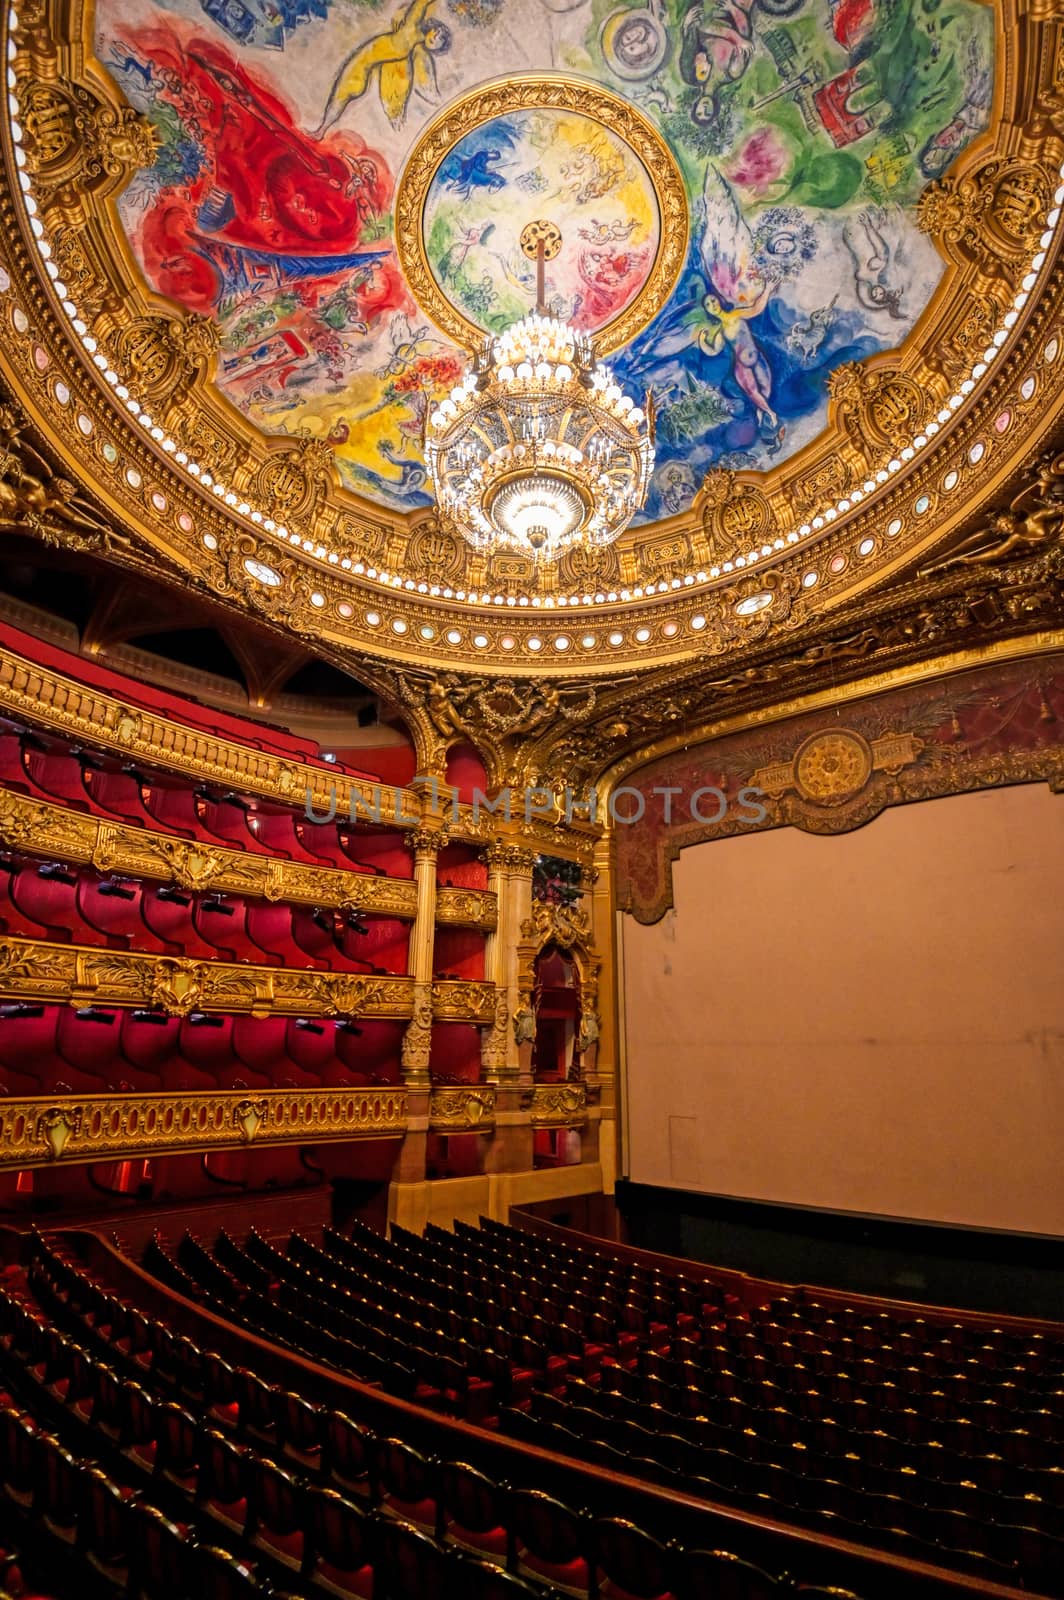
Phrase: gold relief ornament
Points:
(877, 407)
(991, 218)
(36, 500)
(470, 908)
(562, 925)
(831, 767)
(57, 1126)
(463, 1000)
(77, 143)
(249, 1116)
(494, 1045)
(177, 987)
(558, 1104)
(166, 354)
(456, 1109)
(417, 1040)
(736, 517)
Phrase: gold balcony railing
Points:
(38, 828)
(104, 1127)
(34, 969)
(559, 1105)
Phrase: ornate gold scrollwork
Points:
(34, 969)
(38, 1132)
(558, 1105)
(461, 1110)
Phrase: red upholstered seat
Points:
(173, 808)
(149, 1041)
(57, 774)
(385, 943)
(310, 1044)
(159, 1555)
(472, 1510)
(269, 929)
(222, 1479)
(341, 1544)
(276, 1512)
(221, 921)
(118, 794)
(29, 1042)
(629, 1564)
(549, 1542)
(168, 914)
(14, 919)
(112, 906)
(47, 894)
(349, 1448)
(259, 1043)
(279, 833)
(89, 1039)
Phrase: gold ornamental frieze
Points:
(462, 1110)
(466, 908)
(463, 1000)
(32, 969)
(41, 1131)
(40, 829)
(558, 1105)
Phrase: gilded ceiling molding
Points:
(72, 1129)
(835, 768)
(865, 517)
(33, 969)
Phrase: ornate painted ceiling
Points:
(757, 234)
(246, 241)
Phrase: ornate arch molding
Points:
(829, 770)
(569, 928)
(80, 145)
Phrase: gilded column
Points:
(417, 1041)
(510, 880)
(601, 1072)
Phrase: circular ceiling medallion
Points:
(832, 767)
(565, 149)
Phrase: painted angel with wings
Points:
(402, 60)
(736, 292)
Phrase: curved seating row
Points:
(303, 1496)
(71, 905)
(49, 770)
(95, 1050)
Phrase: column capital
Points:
(426, 841)
(503, 857)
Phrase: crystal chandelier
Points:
(537, 449)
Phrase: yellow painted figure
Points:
(401, 59)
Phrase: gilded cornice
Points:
(107, 1127)
(33, 969)
(865, 520)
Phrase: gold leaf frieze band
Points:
(41, 1131)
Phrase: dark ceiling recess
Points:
(201, 648)
(25, 576)
(319, 680)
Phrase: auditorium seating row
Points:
(182, 708)
(102, 1460)
(95, 1050)
(875, 1482)
(72, 905)
(50, 771)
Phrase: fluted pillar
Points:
(417, 1041)
(510, 880)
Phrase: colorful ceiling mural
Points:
(804, 130)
